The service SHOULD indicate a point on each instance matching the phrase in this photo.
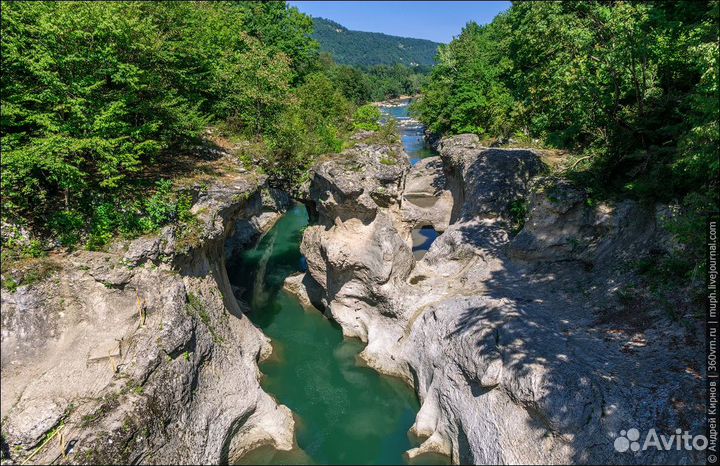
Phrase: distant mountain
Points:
(371, 48)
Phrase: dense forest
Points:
(375, 83)
(100, 97)
(375, 66)
(629, 89)
(364, 49)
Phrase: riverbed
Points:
(412, 132)
(345, 413)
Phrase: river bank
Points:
(399, 101)
(345, 412)
(412, 132)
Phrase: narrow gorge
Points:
(509, 339)
(141, 354)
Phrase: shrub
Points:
(367, 118)
(316, 122)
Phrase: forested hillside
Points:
(373, 66)
(100, 98)
(358, 48)
(375, 83)
(631, 89)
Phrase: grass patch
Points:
(25, 272)
(389, 160)
(196, 307)
(189, 234)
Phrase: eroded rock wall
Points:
(141, 354)
(518, 347)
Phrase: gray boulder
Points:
(564, 225)
(426, 197)
(357, 182)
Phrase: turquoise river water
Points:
(345, 413)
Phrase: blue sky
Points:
(438, 21)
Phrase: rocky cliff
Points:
(520, 347)
(142, 354)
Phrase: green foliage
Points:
(633, 85)
(358, 48)
(17, 245)
(389, 160)
(104, 224)
(352, 82)
(387, 134)
(94, 94)
(367, 118)
(682, 266)
(141, 216)
(464, 93)
(374, 83)
(372, 67)
(160, 207)
(67, 226)
(688, 229)
(389, 82)
(316, 122)
(283, 29)
(518, 213)
(87, 103)
(189, 234)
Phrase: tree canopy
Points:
(93, 93)
(633, 85)
(363, 49)
(629, 88)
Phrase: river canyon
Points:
(394, 316)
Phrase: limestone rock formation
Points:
(426, 199)
(518, 347)
(358, 182)
(563, 225)
(488, 180)
(141, 354)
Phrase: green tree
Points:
(367, 118)
(352, 82)
(84, 102)
(284, 29)
(95, 93)
(634, 85)
(316, 121)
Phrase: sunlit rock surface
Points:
(519, 348)
(142, 354)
